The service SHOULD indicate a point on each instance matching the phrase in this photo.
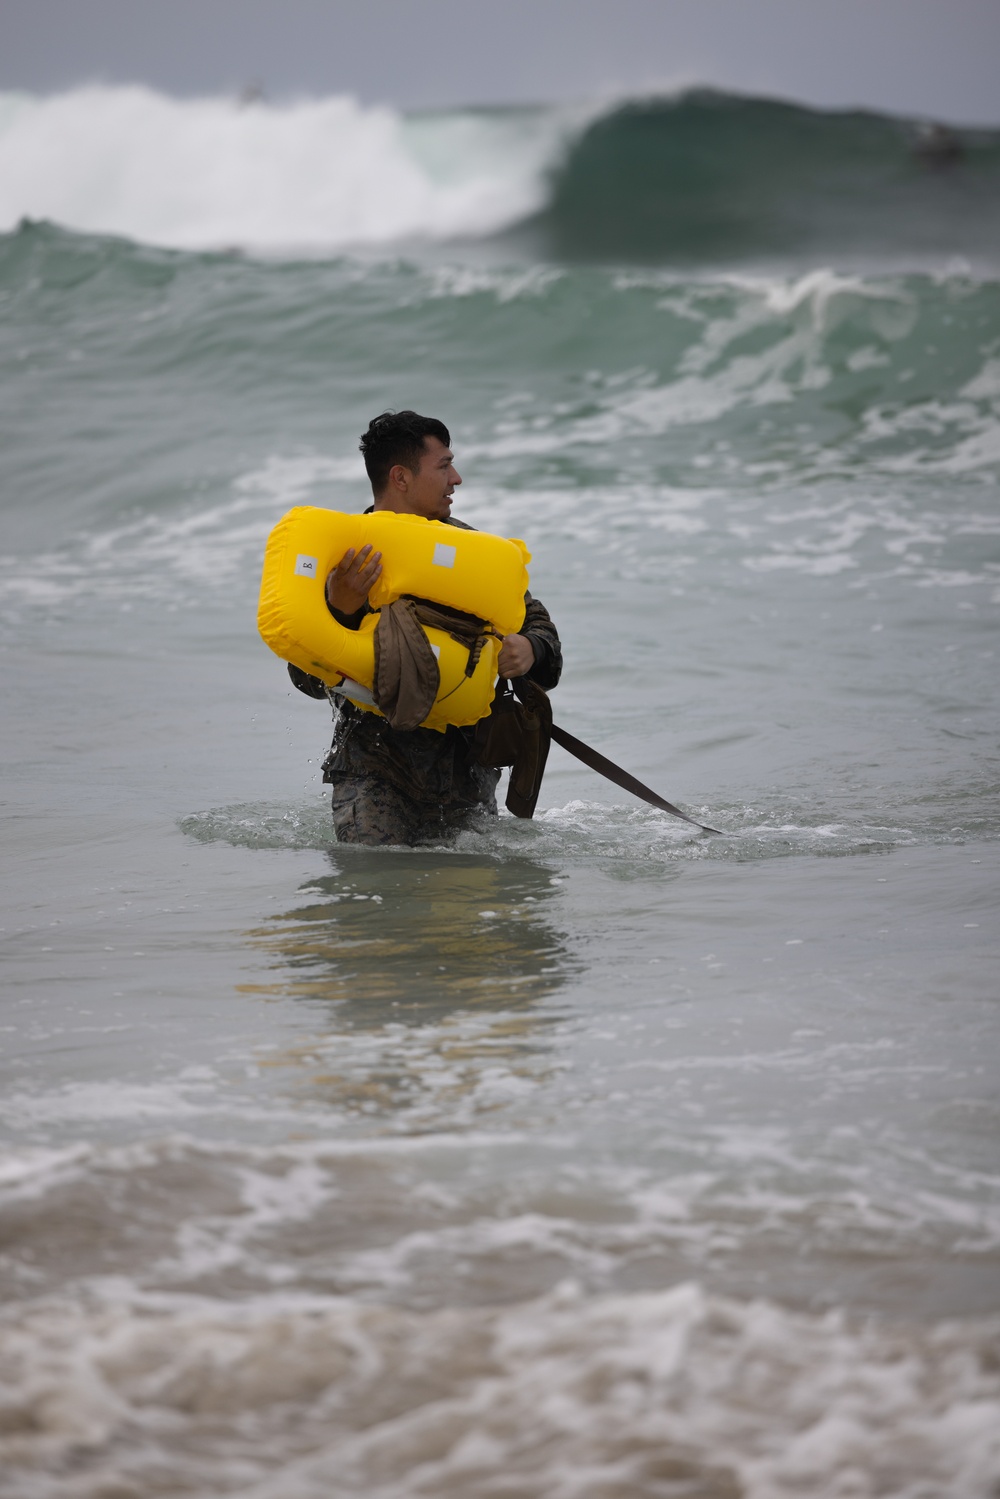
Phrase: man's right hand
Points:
(351, 581)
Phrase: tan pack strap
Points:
(467, 629)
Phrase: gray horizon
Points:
(910, 57)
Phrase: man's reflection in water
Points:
(439, 959)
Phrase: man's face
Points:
(431, 487)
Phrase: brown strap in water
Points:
(536, 700)
(620, 777)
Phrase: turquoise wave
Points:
(701, 176)
(713, 174)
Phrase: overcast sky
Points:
(936, 58)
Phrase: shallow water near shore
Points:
(591, 1156)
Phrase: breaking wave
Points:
(687, 176)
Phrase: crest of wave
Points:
(312, 174)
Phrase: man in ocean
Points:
(419, 785)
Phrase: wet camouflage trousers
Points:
(370, 811)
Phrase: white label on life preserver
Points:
(437, 651)
(444, 555)
(306, 567)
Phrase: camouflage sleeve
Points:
(544, 637)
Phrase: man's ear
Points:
(399, 477)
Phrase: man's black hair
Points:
(398, 437)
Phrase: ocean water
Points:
(590, 1157)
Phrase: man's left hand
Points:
(517, 656)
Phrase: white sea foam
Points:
(504, 285)
(316, 173)
(86, 1103)
(678, 1390)
(289, 1216)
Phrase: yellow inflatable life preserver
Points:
(473, 571)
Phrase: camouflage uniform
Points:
(444, 791)
(418, 785)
